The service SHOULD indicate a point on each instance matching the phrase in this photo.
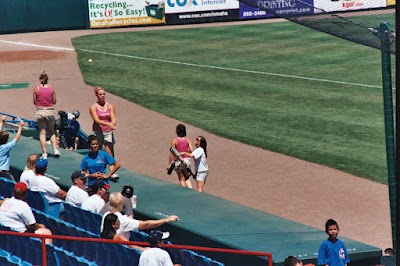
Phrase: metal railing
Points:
(100, 240)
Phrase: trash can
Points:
(155, 11)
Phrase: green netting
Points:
(358, 25)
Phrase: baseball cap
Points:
(41, 163)
(127, 191)
(76, 113)
(21, 186)
(99, 183)
(78, 174)
(157, 235)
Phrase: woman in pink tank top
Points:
(44, 98)
(104, 120)
(182, 144)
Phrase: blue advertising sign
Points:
(284, 8)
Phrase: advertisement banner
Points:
(111, 13)
(346, 5)
(195, 11)
(279, 7)
(187, 6)
(391, 2)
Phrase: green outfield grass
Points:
(221, 79)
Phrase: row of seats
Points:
(8, 259)
(101, 253)
(91, 222)
(35, 199)
(29, 251)
(85, 223)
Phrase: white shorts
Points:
(105, 137)
(201, 176)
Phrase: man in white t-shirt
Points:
(155, 256)
(51, 191)
(76, 194)
(17, 214)
(97, 201)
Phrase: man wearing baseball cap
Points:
(155, 255)
(76, 194)
(99, 198)
(16, 213)
(41, 183)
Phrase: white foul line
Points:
(39, 46)
(194, 65)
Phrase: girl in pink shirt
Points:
(104, 120)
(44, 98)
(182, 144)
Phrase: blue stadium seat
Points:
(39, 202)
(87, 220)
(28, 250)
(7, 259)
(101, 253)
(138, 236)
(6, 187)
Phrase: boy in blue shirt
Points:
(6, 147)
(332, 251)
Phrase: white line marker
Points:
(39, 46)
(231, 69)
(193, 65)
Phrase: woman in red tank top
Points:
(182, 144)
(44, 98)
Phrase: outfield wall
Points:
(44, 15)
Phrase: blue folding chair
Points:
(37, 201)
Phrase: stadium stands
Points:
(82, 218)
(7, 259)
(35, 199)
(28, 251)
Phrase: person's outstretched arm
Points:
(3, 119)
(19, 132)
(150, 224)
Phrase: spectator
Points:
(5, 149)
(17, 214)
(69, 139)
(127, 192)
(155, 255)
(44, 98)
(104, 120)
(293, 261)
(200, 162)
(182, 144)
(76, 194)
(41, 183)
(388, 252)
(128, 224)
(95, 163)
(111, 225)
(332, 251)
(29, 171)
(98, 198)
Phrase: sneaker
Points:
(114, 177)
(48, 142)
(44, 156)
(57, 153)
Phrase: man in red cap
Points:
(17, 214)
